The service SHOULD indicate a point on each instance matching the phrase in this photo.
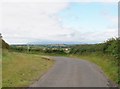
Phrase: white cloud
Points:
(97, 37)
(0, 16)
(33, 21)
(106, 1)
(113, 19)
(112, 28)
(25, 22)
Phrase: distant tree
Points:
(0, 35)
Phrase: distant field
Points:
(21, 69)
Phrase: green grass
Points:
(20, 69)
(106, 63)
(0, 68)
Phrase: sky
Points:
(88, 21)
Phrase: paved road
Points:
(70, 72)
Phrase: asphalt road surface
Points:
(71, 72)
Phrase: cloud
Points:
(98, 37)
(112, 28)
(31, 20)
(27, 22)
(0, 17)
(113, 19)
(106, 1)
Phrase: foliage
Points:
(37, 49)
(110, 49)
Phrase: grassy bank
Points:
(0, 68)
(20, 69)
(110, 68)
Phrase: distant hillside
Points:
(44, 42)
(3, 44)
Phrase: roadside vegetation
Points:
(105, 62)
(0, 63)
(106, 55)
(22, 69)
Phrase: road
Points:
(71, 72)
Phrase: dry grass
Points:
(0, 68)
(22, 69)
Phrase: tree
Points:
(0, 35)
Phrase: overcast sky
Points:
(86, 21)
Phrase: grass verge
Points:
(20, 70)
(107, 63)
(0, 68)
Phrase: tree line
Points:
(109, 47)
